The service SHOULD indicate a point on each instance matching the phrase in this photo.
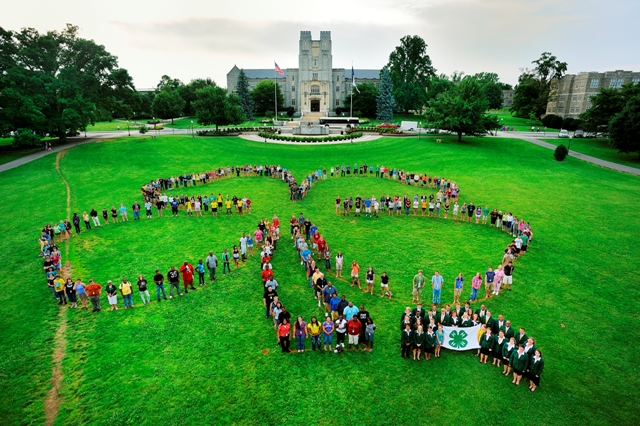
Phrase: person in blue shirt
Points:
(350, 311)
(123, 213)
(436, 284)
(333, 302)
(200, 270)
(367, 207)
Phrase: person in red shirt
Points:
(93, 290)
(267, 274)
(322, 245)
(283, 334)
(187, 276)
(353, 329)
(315, 238)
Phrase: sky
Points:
(190, 39)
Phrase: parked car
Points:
(578, 134)
(563, 133)
(590, 135)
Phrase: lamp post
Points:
(419, 129)
(570, 137)
(128, 130)
(192, 129)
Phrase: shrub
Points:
(269, 114)
(339, 110)
(571, 123)
(143, 129)
(560, 153)
(553, 121)
(25, 137)
(290, 111)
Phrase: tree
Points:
(533, 91)
(605, 105)
(624, 127)
(168, 104)
(167, 82)
(461, 109)
(410, 69)
(385, 101)
(242, 90)
(263, 97)
(188, 93)
(490, 84)
(56, 81)
(214, 106)
(364, 99)
(437, 84)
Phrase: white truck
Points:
(409, 126)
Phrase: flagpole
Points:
(275, 90)
(352, 79)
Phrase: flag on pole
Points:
(461, 339)
(353, 79)
(278, 70)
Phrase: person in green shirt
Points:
(405, 340)
(507, 350)
(430, 342)
(418, 284)
(519, 362)
(487, 343)
(525, 242)
(226, 265)
(418, 343)
(535, 370)
(485, 214)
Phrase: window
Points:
(314, 76)
(337, 89)
(636, 80)
(579, 97)
(315, 62)
(293, 101)
(616, 82)
(576, 86)
(574, 98)
(293, 88)
(595, 83)
(338, 78)
(337, 102)
(293, 78)
(315, 89)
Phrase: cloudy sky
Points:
(204, 38)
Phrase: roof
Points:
(369, 74)
(263, 73)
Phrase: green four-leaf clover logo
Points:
(458, 339)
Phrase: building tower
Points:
(315, 73)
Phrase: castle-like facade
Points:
(315, 86)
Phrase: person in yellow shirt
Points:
(227, 205)
(314, 329)
(239, 205)
(126, 289)
(189, 205)
(58, 286)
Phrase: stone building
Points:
(315, 86)
(571, 95)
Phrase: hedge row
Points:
(379, 130)
(225, 131)
(331, 138)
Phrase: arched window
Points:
(315, 89)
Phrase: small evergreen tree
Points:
(384, 100)
(242, 90)
(560, 153)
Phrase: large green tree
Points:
(624, 127)
(263, 97)
(605, 105)
(57, 81)
(364, 100)
(492, 88)
(385, 101)
(533, 91)
(242, 90)
(214, 106)
(188, 93)
(410, 69)
(168, 104)
(462, 109)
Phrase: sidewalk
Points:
(31, 157)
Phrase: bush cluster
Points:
(379, 130)
(331, 138)
(227, 130)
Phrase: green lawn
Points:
(111, 126)
(209, 357)
(599, 148)
(520, 124)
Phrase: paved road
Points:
(530, 137)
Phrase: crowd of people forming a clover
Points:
(421, 331)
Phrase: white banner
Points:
(461, 339)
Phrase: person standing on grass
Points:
(76, 222)
(406, 340)
(112, 295)
(283, 333)
(313, 330)
(519, 361)
(350, 311)
(243, 246)
(369, 277)
(507, 351)
(82, 293)
(363, 316)
(200, 270)
(147, 207)
(301, 333)
(123, 213)
(457, 288)
(226, 263)
(341, 331)
(436, 285)
(212, 264)
(476, 282)
(355, 274)
(384, 285)
(488, 283)
(93, 290)
(339, 263)
(144, 291)
(269, 296)
(86, 220)
(536, 365)
(58, 285)
(158, 279)
(174, 282)
(418, 283)
(187, 271)
(369, 334)
(70, 290)
(498, 344)
(94, 218)
(327, 331)
(487, 343)
(508, 275)
(497, 280)
(105, 215)
(354, 328)
(126, 289)
(136, 211)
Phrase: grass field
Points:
(209, 357)
(599, 148)
(520, 124)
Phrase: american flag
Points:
(278, 70)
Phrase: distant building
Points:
(315, 86)
(507, 98)
(571, 95)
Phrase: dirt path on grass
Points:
(53, 401)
